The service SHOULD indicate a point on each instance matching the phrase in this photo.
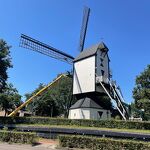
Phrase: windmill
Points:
(91, 75)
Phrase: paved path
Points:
(5, 146)
(43, 145)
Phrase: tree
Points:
(31, 106)
(61, 94)
(54, 101)
(9, 99)
(42, 105)
(5, 63)
(105, 102)
(141, 92)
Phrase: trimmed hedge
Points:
(18, 137)
(101, 143)
(81, 122)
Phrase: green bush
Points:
(101, 143)
(82, 122)
(18, 137)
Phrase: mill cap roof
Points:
(85, 103)
(91, 51)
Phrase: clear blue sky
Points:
(123, 25)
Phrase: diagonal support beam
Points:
(122, 113)
(36, 94)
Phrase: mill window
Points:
(102, 72)
(102, 65)
(100, 113)
(102, 62)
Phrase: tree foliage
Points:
(141, 92)
(54, 101)
(5, 63)
(9, 99)
(105, 102)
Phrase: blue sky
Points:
(124, 26)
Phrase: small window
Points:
(102, 72)
(102, 59)
(100, 114)
(102, 62)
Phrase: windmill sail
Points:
(86, 14)
(35, 45)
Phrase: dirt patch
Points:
(48, 141)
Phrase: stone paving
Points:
(5, 146)
(44, 144)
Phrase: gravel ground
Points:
(6, 146)
(44, 144)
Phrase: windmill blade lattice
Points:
(86, 14)
(35, 45)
